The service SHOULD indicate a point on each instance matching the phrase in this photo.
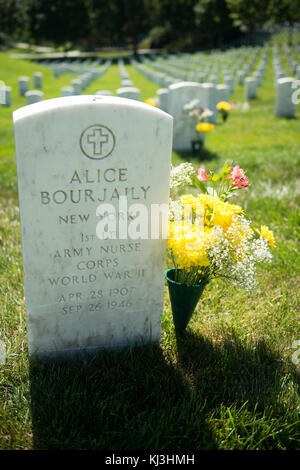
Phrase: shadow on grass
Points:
(203, 155)
(139, 400)
(230, 371)
(130, 400)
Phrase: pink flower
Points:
(238, 177)
(202, 176)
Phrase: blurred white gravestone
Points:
(34, 96)
(5, 95)
(284, 106)
(23, 83)
(104, 93)
(129, 92)
(250, 88)
(78, 159)
(38, 80)
(209, 99)
(163, 98)
(222, 93)
(67, 91)
(76, 83)
(180, 94)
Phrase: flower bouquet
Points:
(210, 237)
(224, 107)
(195, 117)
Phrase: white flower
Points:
(180, 176)
(191, 105)
(234, 255)
(175, 210)
(206, 113)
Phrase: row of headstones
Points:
(23, 86)
(124, 75)
(211, 94)
(131, 93)
(293, 64)
(166, 76)
(252, 83)
(33, 96)
(199, 69)
(169, 72)
(192, 72)
(160, 78)
(79, 84)
(285, 87)
(284, 106)
(228, 80)
(186, 67)
(75, 67)
(279, 71)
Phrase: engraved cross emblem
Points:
(97, 139)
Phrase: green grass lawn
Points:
(229, 382)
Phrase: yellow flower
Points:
(207, 200)
(223, 106)
(204, 127)
(188, 245)
(218, 212)
(189, 200)
(150, 101)
(267, 235)
(223, 213)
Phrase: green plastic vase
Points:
(184, 299)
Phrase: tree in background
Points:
(213, 23)
(135, 19)
(176, 24)
(103, 16)
(13, 20)
(285, 11)
(251, 14)
(177, 19)
(59, 21)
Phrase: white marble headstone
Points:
(163, 99)
(284, 106)
(222, 93)
(104, 92)
(5, 95)
(86, 286)
(250, 88)
(23, 83)
(67, 91)
(38, 80)
(129, 92)
(76, 83)
(181, 94)
(33, 96)
(209, 99)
